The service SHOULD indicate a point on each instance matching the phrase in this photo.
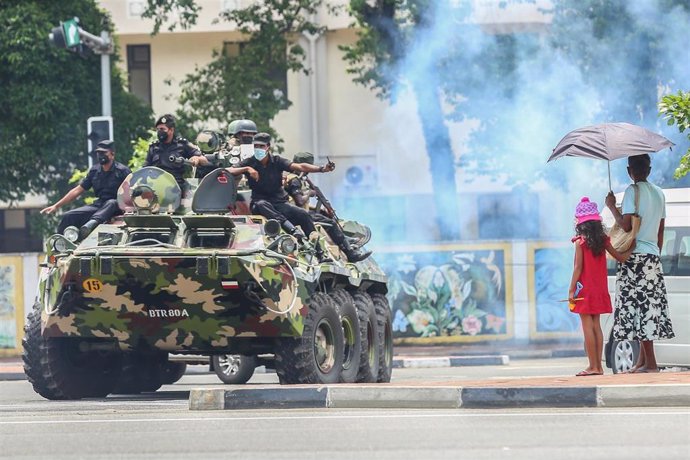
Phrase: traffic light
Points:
(68, 35)
(98, 129)
(57, 37)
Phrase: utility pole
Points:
(71, 36)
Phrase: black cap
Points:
(167, 120)
(262, 138)
(105, 146)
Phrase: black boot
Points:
(87, 228)
(292, 230)
(354, 254)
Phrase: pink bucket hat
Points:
(586, 210)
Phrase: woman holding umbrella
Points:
(641, 305)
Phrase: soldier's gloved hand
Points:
(330, 166)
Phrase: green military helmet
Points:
(303, 157)
(232, 128)
(209, 141)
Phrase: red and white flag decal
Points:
(229, 284)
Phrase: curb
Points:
(452, 361)
(12, 376)
(439, 397)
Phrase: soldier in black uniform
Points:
(301, 193)
(264, 172)
(105, 178)
(168, 145)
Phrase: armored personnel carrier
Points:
(181, 275)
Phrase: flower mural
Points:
(552, 272)
(446, 293)
(7, 320)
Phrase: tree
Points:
(675, 108)
(48, 94)
(251, 83)
(389, 33)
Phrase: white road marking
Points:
(344, 417)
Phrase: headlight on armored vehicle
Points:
(287, 245)
(271, 227)
(71, 233)
(60, 245)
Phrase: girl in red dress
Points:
(590, 280)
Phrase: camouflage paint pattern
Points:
(180, 298)
(162, 183)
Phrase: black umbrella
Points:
(609, 141)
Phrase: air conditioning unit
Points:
(360, 173)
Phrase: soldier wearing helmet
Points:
(169, 145)
(105, 178)
(264, 172)
(300, 193)
(241, 132)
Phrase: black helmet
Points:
(246, 126)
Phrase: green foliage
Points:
(140, 147)
(48, 93)
(166, 11)
(675, 108)
(252, 83)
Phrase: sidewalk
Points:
(664, 389)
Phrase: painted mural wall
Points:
(11, 304)
(450, 293)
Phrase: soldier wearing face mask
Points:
(105, 178)
(264, 173)
(169, 145)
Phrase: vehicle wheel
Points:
(624, 354)
(234, 369)
(172, 371)
(385, 337)
(140, 373)
(352, 333)
(317, 356)
(369, 358)
(59, 368)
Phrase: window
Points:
(15, 231)
(139, 71)
(218, 240)
(150, 238)
(675, 253)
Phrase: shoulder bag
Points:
(620, 239)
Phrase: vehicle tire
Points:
(234, 369)
(172, 371)
(385, 337)
(57, 368)
(140, 373)
(352, 333)
(624, 354)
(317, 356)
(369, 358)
